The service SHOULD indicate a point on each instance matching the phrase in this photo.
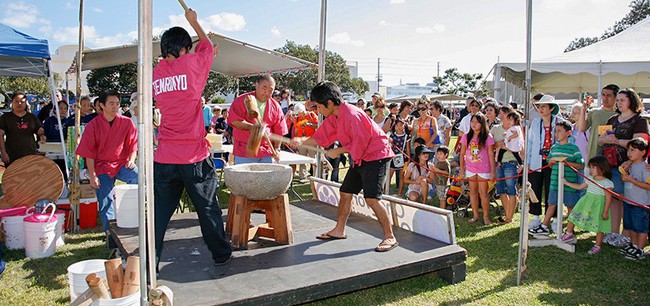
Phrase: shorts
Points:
(441, 191)
(369, 177)
(509, 186)
(486, 176)
(570, 198)
(635, 218)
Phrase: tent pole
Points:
(523, 227)
(74, 191)
(600, 83)
(145, 150)
(321, 72)
(58, 117)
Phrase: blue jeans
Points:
(509, 186)
(200, 181)
(105, 191)
(249, 160)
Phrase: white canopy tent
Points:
(622, 59)
(236, 58)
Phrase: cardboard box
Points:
(85, 191)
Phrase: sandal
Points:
(501, 220)
(387, 245)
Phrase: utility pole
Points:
(378, 74)
(438, 74)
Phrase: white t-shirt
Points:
(465, 124)
(516, 144)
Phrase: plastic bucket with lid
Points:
(126, 205)
(78, 271)
(40, 236)
(12, 227)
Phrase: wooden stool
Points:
(277, 226)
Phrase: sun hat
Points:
(550, 100)
(133, 100)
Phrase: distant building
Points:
(61, 61)
(410, 89)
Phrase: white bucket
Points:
(14, 232)
(40, 239)
(133, 299)
(60, 224)
(77, 273)
(126, 205)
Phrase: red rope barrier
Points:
(612, 192)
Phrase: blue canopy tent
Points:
(26, 56)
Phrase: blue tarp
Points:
(15, 43)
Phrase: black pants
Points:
(540, 182)
(200, 181)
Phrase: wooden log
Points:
(251, 107)
(97, 286)
(85, 298)
(115, 276)
(131, 276)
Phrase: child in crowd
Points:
(514, 139)
(399, 142)
(441, 171)
(562, 149)
(417, 174)
(636, 185)
(592, 210)
(478, 165)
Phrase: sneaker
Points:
(534, 223)
(626, 249)
(635, 254)
(594, 250)
(569, 238)
(540, 230)
(222, 262)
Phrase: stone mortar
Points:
(258, 181)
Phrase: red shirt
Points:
(356, 132)
(109, 145)
(273, 117)
(177, 87)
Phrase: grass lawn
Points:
(553, 277)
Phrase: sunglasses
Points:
(422, 108)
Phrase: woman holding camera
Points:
(540, 139)
(625, 125)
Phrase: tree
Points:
(359, 86)
(639, 10)
(457, 83)
(122, 78)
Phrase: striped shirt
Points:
(594, 189)
(572, 154)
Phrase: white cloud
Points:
(70, 35)
(276, 32)
(397, 1)
(20, 15)
(345, 39)
(437, 28)
(389, 24)
(69, 5)
(229, 22)
(97, 10)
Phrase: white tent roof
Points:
(236, 58)
(439, 97)
(623, 59)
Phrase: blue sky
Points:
(410, 36)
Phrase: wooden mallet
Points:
(258, 131)
(182, 3)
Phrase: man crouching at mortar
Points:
(369, 149)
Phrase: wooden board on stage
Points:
(29, 179)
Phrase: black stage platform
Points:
(307, 270)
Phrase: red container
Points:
(14, 211)
(87, 214)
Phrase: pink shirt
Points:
(177, 87)
(477, 160)
(357, 133)
(273, 117)
(109, 145)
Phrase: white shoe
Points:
(534, 223)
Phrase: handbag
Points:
(398, 160)
(437, 140)
(611, 153)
